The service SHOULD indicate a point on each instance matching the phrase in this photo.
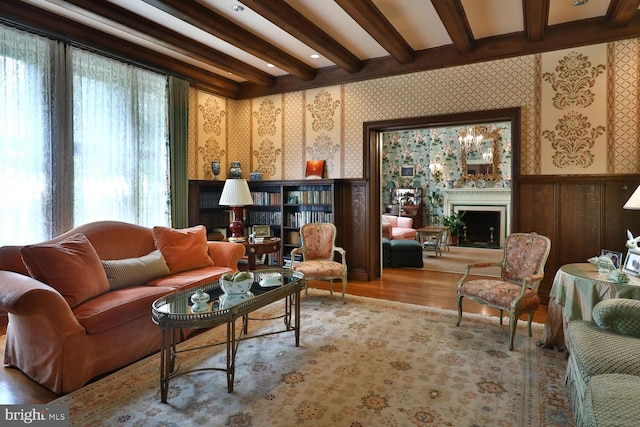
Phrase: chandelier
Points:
(471, 140)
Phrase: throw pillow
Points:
(122, 273)
(183, 249)
(70, 266)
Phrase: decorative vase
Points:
(235, 172)
(199, 300)
(215, 168)
(255, 176)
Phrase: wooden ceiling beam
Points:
(536, 17)
(369, 17)
(455, 21)
(61, 28)
(620, 12)
(561, 36)
(303, 29)
(130, 22)
(207, 20)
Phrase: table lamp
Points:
(236, 194)
(634, 200)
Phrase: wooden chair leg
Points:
(344, 289)
(513, 324)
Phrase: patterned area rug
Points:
(365, 363)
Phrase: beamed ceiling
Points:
(226, 52)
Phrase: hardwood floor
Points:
(428, 288)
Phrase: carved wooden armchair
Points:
(318, 250)
(516, 291)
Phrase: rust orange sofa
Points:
(80, 304)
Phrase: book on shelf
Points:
(287, 260)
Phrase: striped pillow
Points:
(122, 273)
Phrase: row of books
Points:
(210, 199)
(298, 219)
(265, 217)
(287, 262)
(264, 198)
(309, 197)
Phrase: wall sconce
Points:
(236, 194)
(436, 171)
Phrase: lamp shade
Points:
(236, 193)
(634, 200)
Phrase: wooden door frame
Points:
(372, 153)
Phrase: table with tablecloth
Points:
(576, 289)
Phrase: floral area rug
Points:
(364, 363)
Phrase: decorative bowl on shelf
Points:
(238, 283)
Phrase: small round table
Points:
(267, 246)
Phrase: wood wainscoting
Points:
(581, 214)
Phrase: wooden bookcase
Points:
(283, 205)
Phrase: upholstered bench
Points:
(386, 252)
(406, 253)
(612, 399)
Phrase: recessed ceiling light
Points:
(237, 8)
(271, 66)
(580, 2)
(315, 56)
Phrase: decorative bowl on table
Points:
(238, 283)
(229, 300)
(269, 279)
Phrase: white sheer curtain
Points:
(106, 156)
(26, 88)
(120, 142)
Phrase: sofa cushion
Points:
(71, 266)
(618, 315)
(122, 273)
(183, 249)
(612, 399)
(117, 307)
(191, 278)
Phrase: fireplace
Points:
(485, 208)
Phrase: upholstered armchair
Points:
(516, 291)
(318, 250)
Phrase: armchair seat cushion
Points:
(499, 293)
(319, 268)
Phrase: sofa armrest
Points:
(618, 315)
(226, 253)
(24, 296)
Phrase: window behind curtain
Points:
(115, 167)
(120, 139)
(25, 136)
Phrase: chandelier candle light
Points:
(471, 140)
(236, 194)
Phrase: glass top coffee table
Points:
(174, 312)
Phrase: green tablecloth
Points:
(576, 289)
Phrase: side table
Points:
(268, 246)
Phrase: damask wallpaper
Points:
(610, 123)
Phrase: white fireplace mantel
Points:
(481, 199)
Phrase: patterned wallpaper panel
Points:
(439, 145)
(512, 82)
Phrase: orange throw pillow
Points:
(183, 249)
(70, 266)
